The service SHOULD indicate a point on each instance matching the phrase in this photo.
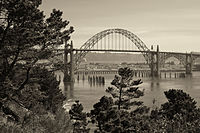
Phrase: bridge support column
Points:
(66, 67)
(188, 64)
(155, 63)
(152, 63)
(71, 63)
(157, 74)
(68, 63)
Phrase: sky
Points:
(174, 25)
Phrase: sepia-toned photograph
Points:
(99, 66)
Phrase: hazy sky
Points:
(172, 24)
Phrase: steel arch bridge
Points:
(90, 43)
(99, 36)
(115, 40)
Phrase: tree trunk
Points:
(120, 97)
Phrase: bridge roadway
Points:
(130, 51)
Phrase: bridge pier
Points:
(188, 64)
(152, 63)
(155, 63)
(68, 62)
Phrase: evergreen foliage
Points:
(27, 37)
(178, 114)
(29, 93)
(79, 117)
(117, 114)
(121, 115)
(180, 103)
(125, 89)
(49, 87)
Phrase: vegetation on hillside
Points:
(30, 98)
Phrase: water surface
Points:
(89, 94)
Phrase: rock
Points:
(17, 111)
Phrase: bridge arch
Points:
(181, 58)
(94, 39)
(195, 58)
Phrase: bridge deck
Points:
(129, 51)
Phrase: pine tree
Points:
(80, 118)
(125, 89)
(180, 103)
(118, 114)
(27, 37)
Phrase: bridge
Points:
(120, 40)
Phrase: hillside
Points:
(119, 58)
(114, 58)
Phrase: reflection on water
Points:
(92, 88)
(94, 81)
(68, 90)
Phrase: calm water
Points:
(154, 89)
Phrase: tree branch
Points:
(27, 75)
(4, 33)
(26, 80)
(10, 67)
